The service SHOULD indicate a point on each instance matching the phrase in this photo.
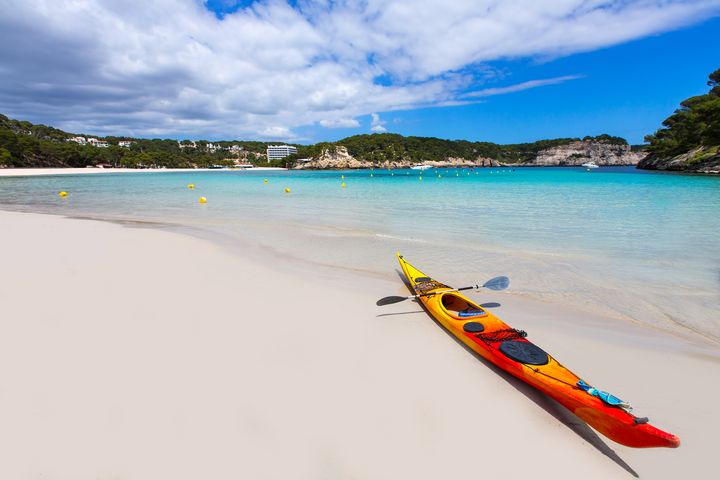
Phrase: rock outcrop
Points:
(574, 153)
(579, 152)
(334, 158)
(700, 160)
(339, 158)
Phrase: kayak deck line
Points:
(510, 350)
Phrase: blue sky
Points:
(315, 70)
(625, 90)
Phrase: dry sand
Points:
(138, 353)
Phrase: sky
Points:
(319, 70)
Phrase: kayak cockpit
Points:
(460, 307)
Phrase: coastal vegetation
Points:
(23, 144)
(690, 138)
(390, 147)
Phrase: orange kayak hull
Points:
(462, 318)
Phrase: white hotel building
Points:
(276, 152)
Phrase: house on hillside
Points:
(97, 143)
(80, 140)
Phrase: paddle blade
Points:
(497, 283)
(490, 305)
(390, 300)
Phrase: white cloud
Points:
(171, 67)
(377, 125)
(276, 132)
(518, 87)
(340, 123)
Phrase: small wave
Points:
(402, 239)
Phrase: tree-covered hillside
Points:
(381, 147)
(23, 144)
(690, 137)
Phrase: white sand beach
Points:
(32, 172)
(136, 352)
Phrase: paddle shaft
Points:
(497, 283)
(472, 287)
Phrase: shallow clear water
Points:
(617, 240)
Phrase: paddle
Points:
(497, 283)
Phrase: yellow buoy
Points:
(342, 177)
(62, 194)
(202, 200)
(265, 181)
(287, 190)
(343, 185)
(421, 179)
(191, 186)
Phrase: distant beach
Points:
(34, 172)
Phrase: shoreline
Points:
(294, 263)
(30, 172)
(235, 350)
(27, 172)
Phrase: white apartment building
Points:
(80, 140)
(125, 143)
(276, 152)
(97, 143)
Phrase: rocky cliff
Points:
(700, 160)
(338, 158)
(573, 153)
(335, 157)
(579, 152)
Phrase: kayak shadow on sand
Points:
(562, 414)
(399, 313)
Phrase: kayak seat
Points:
(459, 307)
(524, 352)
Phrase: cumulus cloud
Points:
(174, 68)
(377, 125)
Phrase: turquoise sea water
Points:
(616, 240)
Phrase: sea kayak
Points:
(510, 350)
